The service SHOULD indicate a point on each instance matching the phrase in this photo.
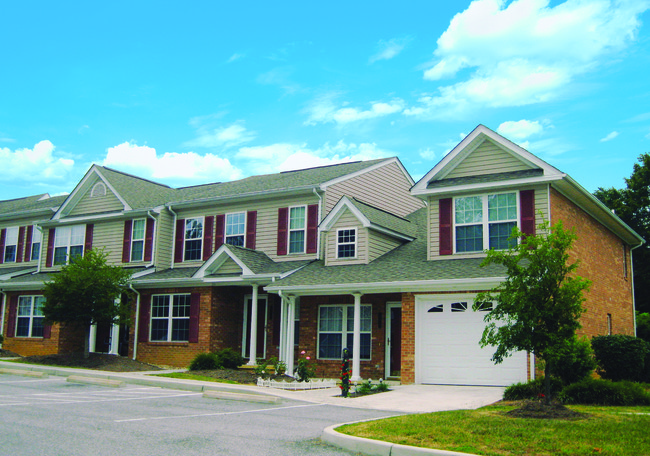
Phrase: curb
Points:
(95, 381)
(24, 373)
(217, 394)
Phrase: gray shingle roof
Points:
(137, 192)
(386, 219)
(42, 202)
(485, 178)
(259, 262)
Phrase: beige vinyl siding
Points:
(109, 236)
(541, 204)
(379, 244)
(386, 188)
(347, 220)
(488, 158)
(229, 267)
(20, 253)
(97, 204)
(164, 240)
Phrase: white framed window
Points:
(37, 239)
(137, 239)
(68, 243)
(297, 229)
(11, 245)
(29, 316)
(170, 318)
(346, 243)
(336, 331)
(484, 221)
(193, 239)
(236, 229)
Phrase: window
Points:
(68, 243)
(137, 239)
(297, 229)
(11, 245)
(37, 238)
(29, 319)
(609, 324)
(336, 328)
(236, 228)
(346, 243)
(474, 230)
(170, 318)
(98, 190)
(193, 239)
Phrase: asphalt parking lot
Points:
(54, 417)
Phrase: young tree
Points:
(85, 292)
(537, 307)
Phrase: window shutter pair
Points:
(148, 240)
(251, 230)
(445, 219)
(145, 315)
(88, 244)
(311, 234)
(11, 323)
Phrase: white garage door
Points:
(447, 350)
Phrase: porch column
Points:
(92, 338)
(115, 340)
(356, 339)
(282, 350)
(291, 316)
(252, 350)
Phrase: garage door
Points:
(447, 333)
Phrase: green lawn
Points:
(186, 376)
(623, 431)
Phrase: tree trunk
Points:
(87, 342)
(547, 383)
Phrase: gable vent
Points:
(99, 189)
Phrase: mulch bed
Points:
(541, 410)
(8, 354)
(97, 361)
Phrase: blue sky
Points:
(201, 92)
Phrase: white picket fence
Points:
(296, 385)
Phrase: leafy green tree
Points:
(86, 292)
(538, 306)
(632, 205)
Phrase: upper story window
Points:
(29, 318)
(11, 244)
(236, 228)
(137, 239)
(193, 239)
(170, 318)
(99, 189)
(37, 239)
(68, 243)
(297, 226)
(484, 221)
(346, 243)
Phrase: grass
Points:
(620, 431)
(186, 376)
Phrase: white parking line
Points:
(215, 414)
(48, 399)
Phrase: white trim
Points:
(295, 230)
(246, 343)
(202, 238)
(170, 317)
(225, 227)
(388, 331)
(217, 259)
(354, 243)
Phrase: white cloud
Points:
(610, 136)
(235, 56)
(38, 164)
(326, 110)
(524, 51)
(389, 49)
(210, 135)
(519, 130)
(427, 154)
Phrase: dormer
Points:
(357, 233)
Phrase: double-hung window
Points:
(37, 238)
(485, 221)
(336, 331)
(346, 243)
(68, 243)
(170, 318)
(29, 318)
(193, 239)
(297, 226)
(137, 239)
(236, 228)
(11, 245)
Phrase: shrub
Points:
(230, 359)
(279, 366)
(574, 362)
(205, 361)
(304, 371)
(620, 357)
(530, 390)
(260, 366)
(604, 392)
(643, 326)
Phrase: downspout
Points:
(40, 253)
(153, 239)
(137, 322)
(2, 319)
(320, 217)
(173, 235)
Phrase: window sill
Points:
(168, 344)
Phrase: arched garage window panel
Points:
(436, 309)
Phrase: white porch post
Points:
(115, 340)
(356, 339)
(291, 316)
(92, 338)
(282, 349)
(252, 350)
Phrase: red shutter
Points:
(445, 221)
(527, 211)
(148, 239)
(180, 237)
(50, 247)
(47, 331)
(221, 231)
(11, 323)
(251, 229)
(3, 235)
(21, 244)
(312, 228)
(208, 235)
(143, 323)
(283, 224)
(126, 242)
(195, 304)
(89, 237)
(28, 243)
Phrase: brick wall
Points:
(602, 261)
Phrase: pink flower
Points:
(302, 352)
(308, 357)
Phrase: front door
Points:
(262, 302)
(393, 339)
